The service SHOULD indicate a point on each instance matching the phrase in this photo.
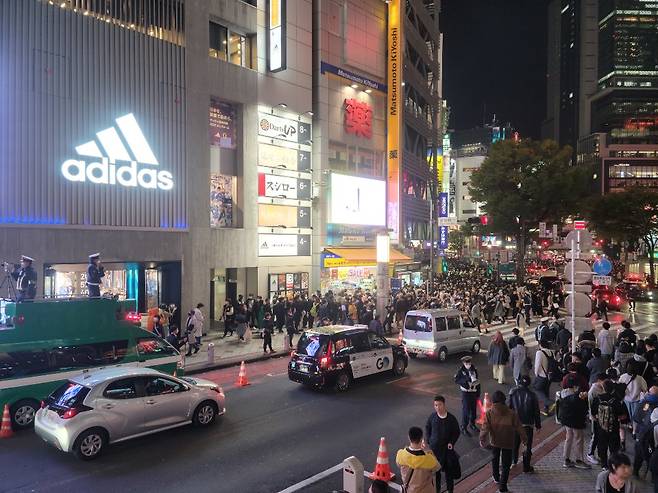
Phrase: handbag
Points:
(452, 466)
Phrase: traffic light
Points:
(545, 243)
(484, 220)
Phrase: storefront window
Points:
(356, 160)
(218, 41)
(74, 283)
(152, 288)
(288, 285)
(230, 46)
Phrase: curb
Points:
(230, 362)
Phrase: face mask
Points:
(467, 366)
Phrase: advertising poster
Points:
(222, 124)
(443, 237)
(443, 204)
(221, 201)
(356, 200)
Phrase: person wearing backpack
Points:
(546, 370)
(606, 342)
(418, 466)
(635, 387)
(595, 390)
(607, 411)
(623, 355)
(644, 426)
(597, 365)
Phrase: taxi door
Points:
(361, 358)
(382, 353)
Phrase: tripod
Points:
(8, 282)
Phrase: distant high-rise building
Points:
(571, 69)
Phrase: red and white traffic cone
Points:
(242, 376)
(5, 429)
(382, 468)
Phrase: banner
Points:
(443, 204)
(221, 124)
(395, 97)
(443, 237)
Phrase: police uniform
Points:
(26, 280)
(94, 276)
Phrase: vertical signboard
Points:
(276, 48)
(395, 96)
(443, 237)
(443, 204)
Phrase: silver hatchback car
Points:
(111, 405)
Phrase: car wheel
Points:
(399, 367)
(22, 414)
(205, 414)
(443, 355)
(343, 381)
(90, 444)
(413, 355)
(476, 347)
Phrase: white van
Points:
(439, 332)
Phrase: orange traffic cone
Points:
(242, 376)
(483, 407)
(5, 429)
(382, 469)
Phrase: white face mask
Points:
(467, 366)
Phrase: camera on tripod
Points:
(7, 266)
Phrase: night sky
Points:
(494, 52)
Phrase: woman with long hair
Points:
(498, 356)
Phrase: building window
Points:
(230, 46)
(218, 41)
(356, 160)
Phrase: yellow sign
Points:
(277, 215)
(394, 119)
(275, 13)
(439, 173)
(343, 262)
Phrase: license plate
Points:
(303, 369)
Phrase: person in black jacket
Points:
(442, 432)
(572, 414)
(268, 329)
(607, 410)
(279, 310)
(514, 340)
(469, 385)
(26, 279)
(524, 401)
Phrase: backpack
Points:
(553, 369)
(625, 346)
(606, 416)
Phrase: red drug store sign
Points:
(358, 118)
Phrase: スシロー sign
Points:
(283, 187)
(124, 147)
(287, 129)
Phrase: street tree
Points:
(522, 183)
(630, 216)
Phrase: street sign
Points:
(542, 230)
(579, 224)
(582, 272)
(582, 301)
(446, 221)
(581, 236)
(602, 280)
(602, 266)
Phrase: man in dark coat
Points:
(95, 273)
(524, 401)
(442, 432)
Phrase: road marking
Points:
(313, 479)
(397, 379)
(277, 374)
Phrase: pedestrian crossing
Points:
(643, 329)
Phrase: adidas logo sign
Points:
(105, 171)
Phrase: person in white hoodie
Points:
(606, 342)
(636, 386)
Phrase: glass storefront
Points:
(288, 285)
(348, 279)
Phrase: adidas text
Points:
(110, 174)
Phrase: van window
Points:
(418, 323)
(312, 344)
(440, 324)
(360, 342)
(468, 323)
(454, 323)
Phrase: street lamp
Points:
(383, 284)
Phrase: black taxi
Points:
(336, 355)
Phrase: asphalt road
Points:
(275, 433)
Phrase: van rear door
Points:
(418, 328)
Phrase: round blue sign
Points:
(602, 266)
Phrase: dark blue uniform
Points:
(94, 276)
(26, 283)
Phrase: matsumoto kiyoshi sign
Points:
(124, 147)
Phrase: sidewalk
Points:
(231, 351)
(549, 476)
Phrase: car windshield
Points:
(418, 323)
(69, 395)
(312, 344)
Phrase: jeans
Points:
(543, 388)
(500, 470)
(574, 443)
(450, 483)
(607, 441)
(469, 408)
(527, 455)
(499, 373)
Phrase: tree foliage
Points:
(523, 183)
(630, 216)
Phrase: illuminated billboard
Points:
(357, 200)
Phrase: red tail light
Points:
(325, 361)
(133, 317)
(70, 413)
(617, 299)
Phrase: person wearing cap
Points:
(524, 401)
(469, 385)
(95, 274)
(26, 279)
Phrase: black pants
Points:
(290, 335)
(607, 441)
(500, 468)
(527, 455)
(594, 442)
(639, 459)
(543, 388)
(450, 483)
(469, 408)
(279, 326)
(267, 341)
(94, 291)
(228, 327)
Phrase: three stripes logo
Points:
(125, 144)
